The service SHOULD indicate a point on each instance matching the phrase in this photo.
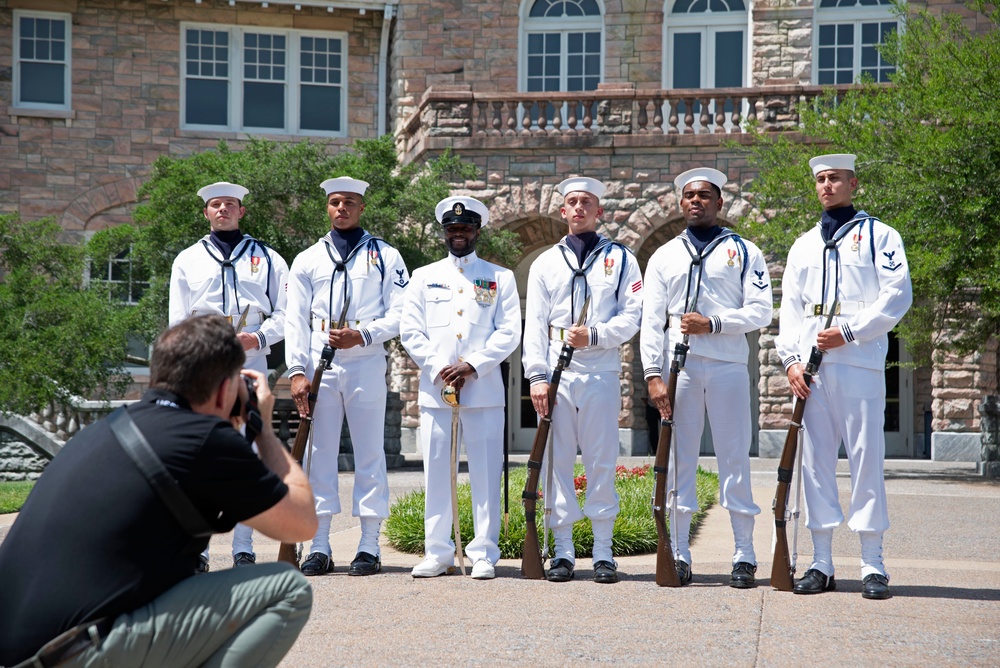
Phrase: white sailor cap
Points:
(344, 184)
(223, 189)
(821, 163)
(713, 176)
(582, 184)
(460, 209)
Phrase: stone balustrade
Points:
(613, 109)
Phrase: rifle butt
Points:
(531, 559)
(288, 552)
(781, 568)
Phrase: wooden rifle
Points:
(782, 569)
(531, 558)
(666, 570)
(289, 551)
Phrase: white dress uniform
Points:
(589, 395)
(864, 268)
(373, 276)
(732, 287)
(203, 281)
(462, 309)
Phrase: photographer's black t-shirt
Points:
(94, 540)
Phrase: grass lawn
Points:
(13, 494)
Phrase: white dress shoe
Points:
(430, 568)
(483, 570)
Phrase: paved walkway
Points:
(941, 553)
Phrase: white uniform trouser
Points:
(723, 389)
(847, 404)
(585, 414)
(482, 432)
(355, 387)
(242, 534)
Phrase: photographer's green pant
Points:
(241, 617)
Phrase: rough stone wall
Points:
(782, 42)
(18, 461)
(958, 384)
(126, 83)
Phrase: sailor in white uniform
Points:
(583, 264)
(230, 273)
(707, 287)
(853, 264)
(347, 266)
(461, 319)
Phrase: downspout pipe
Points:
(383, 65)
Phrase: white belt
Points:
(843, 308)
(322, 324)
(673, 322)
(253, 317)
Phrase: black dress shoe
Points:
(316, 563)
(876, 586)
(606, 572)
(365, 564)
(683, 571)
(814, 582)
(202, 566)
(560, 570)
(742, 577)
(244, 559)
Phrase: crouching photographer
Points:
(98, 567)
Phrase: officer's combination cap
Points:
(344, 184)
(461, 209)
(223, 189)
(821, 163)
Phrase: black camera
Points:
(252, 397)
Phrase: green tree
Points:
(928, 151)
(286, 207)
(62, 338)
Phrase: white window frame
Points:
(708, 23)
(67, 63)
(292, 82)
(855, 16)
(564, 25)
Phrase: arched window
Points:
(562, 45)
(846, 40)
(706, 44)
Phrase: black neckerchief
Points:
(226, 241)
(582, 244)
(346, 240)
(834, 219)
(700, 236)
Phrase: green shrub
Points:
(635, 530)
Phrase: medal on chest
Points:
(733, 257)
(857, 242)
(486, 291)
(254, 264)
(373, 256)
(609, 265)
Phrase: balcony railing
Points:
(457, 111)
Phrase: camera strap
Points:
(151, 466)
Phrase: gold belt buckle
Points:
(817, 309)
(229, 319)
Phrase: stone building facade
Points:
(628, 91)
